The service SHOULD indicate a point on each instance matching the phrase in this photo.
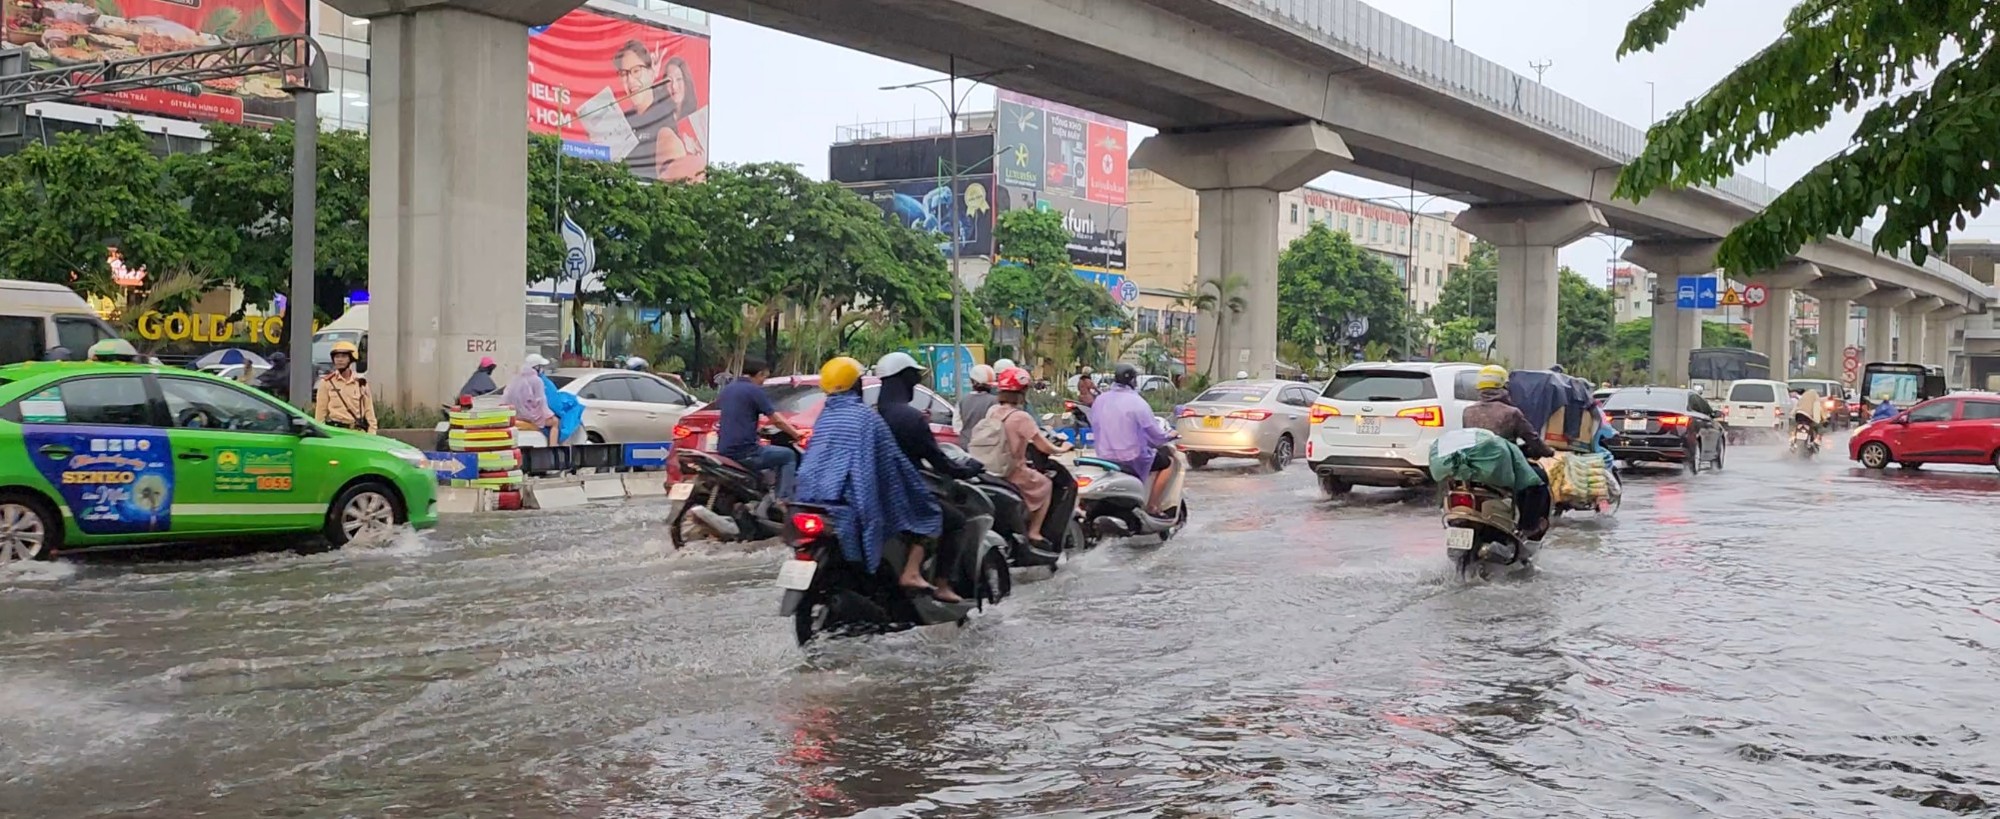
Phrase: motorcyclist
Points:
(900, 374)
(481, 381)
(742, 404)
(1086, 388)
(973, 405)
(1128, 434)
(1495, 412)
(1809, 411)
(870, 488)
(277, 381)
(637, 364)
(1021, 433)
(527, 393)
(1885, 409)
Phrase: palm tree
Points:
(1224, 298)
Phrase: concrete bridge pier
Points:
(1527, 238)
(1676, 332)
(1915, 326)
(1237, 176)
(1772, 325)
(1880, 324)
(448, 189)
(1937, 336)
(1836, 301)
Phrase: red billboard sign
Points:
(619, 90)
(55, 34)
(1107, 164)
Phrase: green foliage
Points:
(1323, 280)
(1472, 292)
(1036, 288)
(1584, 318)
(1920, 156)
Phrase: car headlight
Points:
(409, 455)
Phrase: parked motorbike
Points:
(1804, 444)
(1060, 528)
(1113, 501)
(1482, 530)
(726, 500)
(827, 595)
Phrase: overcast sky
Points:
(767, 110)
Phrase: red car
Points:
(798, 399)
(1952, 429)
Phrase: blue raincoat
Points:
(856, 470)
(568, 411)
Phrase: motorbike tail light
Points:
(1674, 421)
(682, 432)
(1457, 499)
(1069, 406)
(1251, 415)
(805, 434)
(808, 526)
(1321, 412)
(1431, 416)
(1082, 481)
(1830, 404)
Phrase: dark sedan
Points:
(1664, 425)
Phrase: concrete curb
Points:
(555, 493)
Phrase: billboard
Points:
(1097, 230)
(920, 158)
(619, 90)
(927, 204)
(56, 34)
(1067, 151)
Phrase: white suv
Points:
(1373, 424)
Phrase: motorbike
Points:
(1112, 501)
(827, 595)
(1804, 444)
(1482, 530)
(726, 499)
(1060, 528)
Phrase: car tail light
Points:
(1321, 412)
(808, 526)
(1722, 412)
(1464, 499)
(682, 432)
(1830, 403)
(1431, 416)
(1777, 412)
(1251, 415)
(1673, 421)
(1187, 413)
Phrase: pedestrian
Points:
(341, 398)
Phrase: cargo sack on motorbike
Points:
(1579, 480)
(1483, 458)
(988, 441)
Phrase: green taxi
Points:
(113, 454)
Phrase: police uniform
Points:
(343, 401)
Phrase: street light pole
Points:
(305, 92)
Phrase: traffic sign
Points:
(1731, 297)
(648, 455)
(1128, 291)
(1755, 295)
(1706, 299)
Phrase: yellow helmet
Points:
(839, 375)
(345, 347)
(1491, 377)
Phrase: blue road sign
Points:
(1686, 292)
(449, 465)
(1706, 299)
(648, 455)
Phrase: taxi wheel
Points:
(29, 528)
(364, 509)
(1875, 455)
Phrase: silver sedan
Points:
(1266, 420)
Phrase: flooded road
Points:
(1777, 639)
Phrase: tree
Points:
(1472, 292)
(1921, 156)
(1036, 287)
(1325, 280)
(1585, 314)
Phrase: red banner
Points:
(71, 33)
(1106, 181)
(624, 91)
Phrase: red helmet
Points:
(1012, 379)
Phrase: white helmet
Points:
(635, 363)
(982, 374)
(1003, 365)
(894, 363)
(1242, 374)
(535, 360)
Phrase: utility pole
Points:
(1652, 103)
(1540, 69)
(1452, 27)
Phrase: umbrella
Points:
(231, 356)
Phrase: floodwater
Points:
(1778, 639)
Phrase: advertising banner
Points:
(1020, 150)
(55, 34)
(927, 204)
(1107, 164)
(115, 480)
(1067, 156)
(618, 90)
(1097, 229)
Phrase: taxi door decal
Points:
(115, 480)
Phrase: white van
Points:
(352, 326)
(36, 318)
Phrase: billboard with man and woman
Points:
(620, 90)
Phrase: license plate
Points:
(708, 443)
(1636, 425)
(1211, 422)
(1458, 538)
(1368, 425)
(681, 491)
(797, 575)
